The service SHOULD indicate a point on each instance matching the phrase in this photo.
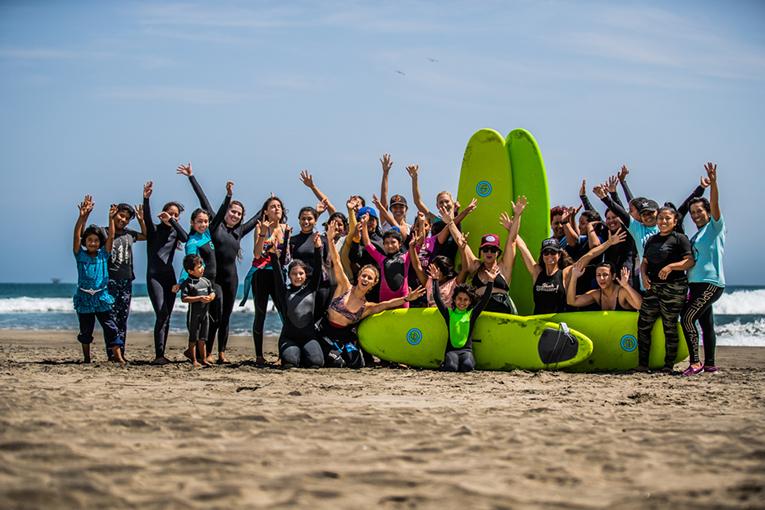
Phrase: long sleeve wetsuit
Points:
(298, 342)
(459, 327)
(227, 241)
(161, 243)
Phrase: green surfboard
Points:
(486, 177)
(417, 337)
(614, 340)
(529, 179)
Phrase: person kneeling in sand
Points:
(198, 292)
(460, 319)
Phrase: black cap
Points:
(398, 199)
(551, 244)
(646, 205)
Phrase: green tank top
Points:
(459, 327)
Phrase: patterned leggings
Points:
(699, 308)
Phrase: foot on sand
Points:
(161, 360)
(222, 360)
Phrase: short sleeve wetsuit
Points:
(197, 318)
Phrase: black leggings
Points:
(699, 308)
(262, 288)
(162, 300)
(214, 314)
(299, 353)
(228, 287)
(459, 361)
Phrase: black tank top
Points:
(499, 282)
(618, 307)
(549, 293)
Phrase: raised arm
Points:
(85, 207)
(512, 226)
(485, 297)
(343, 283)
(223, 209)
(528, 259)
(387, 163)
(385, 213)
(189, 172)
(619, 237)
(467, 210)
(141, 223)
(413, 171)
(307, 179)
(634, 298)
(182, 235)
(414, 259)
(440, 302)
(571, 297)
(618, 210)
(261, 229)
(583, 197)
(714, 193)
(697, 192)
(373, 308)
(623, 173)
(111, 230)
(610, 185)
(147, 190)
(568, 218)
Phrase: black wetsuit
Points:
(499, 302)
(161, 243)
(298, 341)
(459, 358)
(227, 250)
(197, 318)
(549, 293)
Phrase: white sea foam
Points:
(737, 333)
(64, 305)
(741, 302)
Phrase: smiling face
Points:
(551, 257)
(398, 211)
(648, 218)
(699, 214)
(445, 200)
(307, 222)
(612, 221)
(666, 221)
(121, 219)
(233, 215)
(200, 223)
(367, 279)
(297, 276)
(557, 226)
(92, 244)
(461, 301)
(489, 254)
(339, 227)
(174, 213)
(391, 245)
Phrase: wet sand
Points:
(238, 436)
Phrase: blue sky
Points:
(99, 97)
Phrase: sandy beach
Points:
(100, 436)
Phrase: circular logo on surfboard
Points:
(414, 336)
(629, 343)
(483, 189)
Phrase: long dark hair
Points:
(262, 212)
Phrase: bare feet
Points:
(209, 360)
(197, 364)
(161, 360)
(222, 359)
(118, 356)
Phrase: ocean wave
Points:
(741, 302)
(750, 333)
(64, 305)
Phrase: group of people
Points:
(372, 258)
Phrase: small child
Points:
(92, 300)
(393, 264)
(460, 319)
(197, 291)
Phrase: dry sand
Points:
(98, 436)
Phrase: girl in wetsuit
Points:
(226, 238)
(460, 320)
(348, 307)
(92, 300)
(706, 279)
(490, 252)
(297, 305)
(551, 271)
(612, 293)
(272, 236)
(161, 242)
(392, 264)
(667, 256)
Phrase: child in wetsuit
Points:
(393, 264)
(92, 299)
(198, 292)
(460, 319)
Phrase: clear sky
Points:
(98, 97)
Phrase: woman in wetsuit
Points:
(490, 251)
(348, 307)
(161, 243)
(297, 305)
(226, 238)
(612, 293)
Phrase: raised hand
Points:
(447, 215)
(322, 206)
(599, 191)
(386, 162)
(492, 272)
(611, 183)
(506, 221)
(519, 205)
(470, 207)
(229, 188)
(112, 210)
(317, 240)
(412, 170)
(138, 212)
(462, 241)
(306, 178)
(705, 182)
(185, 169)
(147, 189)
(377, 203)
(623, 172)
(86, 206)
(331, 230)
(577, 269)
(619, 237)
(164, 217)
(711, 169)
(434, 272)
(583, 188)
(353, 203)
(415, 294)
(624, 279)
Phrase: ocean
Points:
(739, 314)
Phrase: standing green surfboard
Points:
(486, 177)
(529, 179)
(417, 337)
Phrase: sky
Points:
(99, 97)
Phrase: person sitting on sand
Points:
(92, 300)
(460, 320)
(349, 306)
(613, 293)
(198, 292)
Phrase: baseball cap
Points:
(490, 240)
(398, 199)
(371, 211)
(551, 244)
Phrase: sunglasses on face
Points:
(489, 249)
(549, 252)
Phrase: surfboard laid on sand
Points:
(486, 177)
(417, 337)
(530, 179)
(614, 340)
